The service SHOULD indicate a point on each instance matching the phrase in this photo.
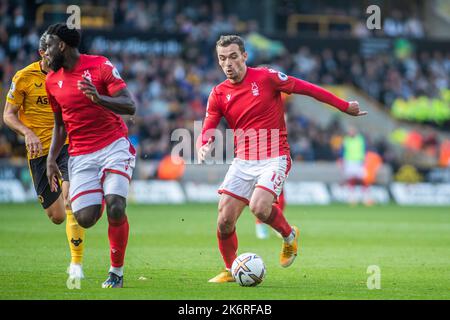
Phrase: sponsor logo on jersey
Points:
(42, 100)
(38, 85)
(60, 83)
(228, 97)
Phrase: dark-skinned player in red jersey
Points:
(250, 101)
(88, 96)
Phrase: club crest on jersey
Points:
(255, 89)
(87, 75)
(60, 83)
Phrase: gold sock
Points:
(75, 236)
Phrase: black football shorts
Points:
(38, 169)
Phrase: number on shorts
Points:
(277, 180)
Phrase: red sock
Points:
(228, 244)
(277, 221)
(118, 239)
(281, 202)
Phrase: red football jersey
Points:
(90, 127)
(254, 109)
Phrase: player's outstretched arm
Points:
(323, 95)
(58, 140)
(11, 118)
(120, 102)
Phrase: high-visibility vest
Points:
(354, 148)
(372, 164)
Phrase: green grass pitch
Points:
(172, 252)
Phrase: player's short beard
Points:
(235, 75)
(57, 62)
(232, 76)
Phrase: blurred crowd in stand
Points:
(171, 90)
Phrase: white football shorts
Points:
(354, 170)
(244, 176)
(106, 171)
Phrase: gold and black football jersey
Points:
(28, 93)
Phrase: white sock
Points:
(290, 237)
(118, 271)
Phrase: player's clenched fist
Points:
(354, 110)
(204, 150)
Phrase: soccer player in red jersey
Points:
(87, 96)
(250, 101)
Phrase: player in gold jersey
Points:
(28, 112)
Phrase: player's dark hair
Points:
(70, 36)
(225, 41)
(42, 44)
